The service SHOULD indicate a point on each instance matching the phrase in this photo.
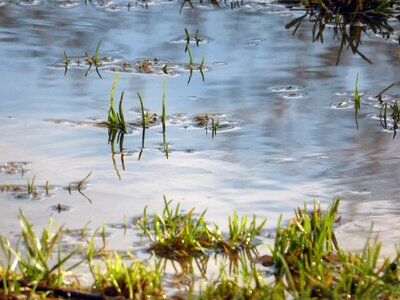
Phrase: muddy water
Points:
(287, 139)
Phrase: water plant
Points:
(79, 186)
(191, 65)
(66, 63)
(116, 120)
(214, 127)
(395, 116)
(164, 119)
(94, 60)
(346, 28)
(357, 101)
(31, 189)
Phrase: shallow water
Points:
(290, 135)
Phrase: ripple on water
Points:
(200, 39)
(4, 3)
(29, 2)
(342, 104)
(220, 121)
(274, 9)
(298, 95)
(68, 3)
(14, 167)
(375, 102)
(341, 93)
(148, 66)
(291, 88)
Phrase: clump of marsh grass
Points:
(307, 257)
(34, 259)
(176, 234)
(245, 282)
(134, 280)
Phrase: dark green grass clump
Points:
(175, 234)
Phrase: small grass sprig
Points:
(94, 60)
(116, 120)
(66, 63)
(192, 66)
(357, 101)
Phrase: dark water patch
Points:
(69, 3)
